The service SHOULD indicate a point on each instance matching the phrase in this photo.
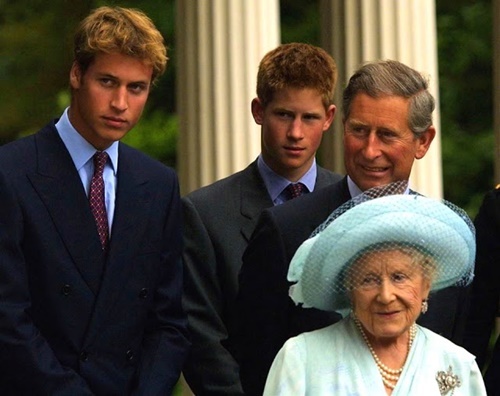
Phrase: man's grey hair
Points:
(392, 78)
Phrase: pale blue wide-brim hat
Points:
(436, 227)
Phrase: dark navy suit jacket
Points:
(72, 320)
(485, 293)
(267, 317)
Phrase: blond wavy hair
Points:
(120, 30)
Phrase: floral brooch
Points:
(447, 381)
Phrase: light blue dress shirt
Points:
(81, 153)
(275, 184)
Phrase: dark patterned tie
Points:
(96, 198)
(294, 190)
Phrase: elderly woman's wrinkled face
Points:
(387, 290)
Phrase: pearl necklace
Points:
(389, 376)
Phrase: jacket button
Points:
(84, 356)
(129, 355)
(66, 290)
(143, 293)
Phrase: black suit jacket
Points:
(74, 321)
(267, 317)
(485, 292)
(218, 222)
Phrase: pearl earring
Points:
(425, 306)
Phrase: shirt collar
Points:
(79, 149)
(276, 183)
(354, 190)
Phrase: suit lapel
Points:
(59, 187)
(254, 198)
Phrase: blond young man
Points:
(90, 233)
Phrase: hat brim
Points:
(407, 219)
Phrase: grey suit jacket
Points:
(218, 222)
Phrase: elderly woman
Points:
(379, 259)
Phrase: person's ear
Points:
(257, 111)
(330, 115)
(424, 142)
(427, 289)
(75, 76)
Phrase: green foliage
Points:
(35, 56)
(300, 21)
(156, 135)
(467, 165)
(465, 80)
(465, 54)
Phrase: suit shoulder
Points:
(496, 191)
(492, 196)
(146, 162)
(18, 154)
(222, 187)
(328, 175)
(17, 146)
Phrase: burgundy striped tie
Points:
(96, 198)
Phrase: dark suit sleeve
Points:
(486, 285)
(210, 368)
(27, 362)
(262, 304)
(165, 341)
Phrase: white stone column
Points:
(356, 31)
(219, 44)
